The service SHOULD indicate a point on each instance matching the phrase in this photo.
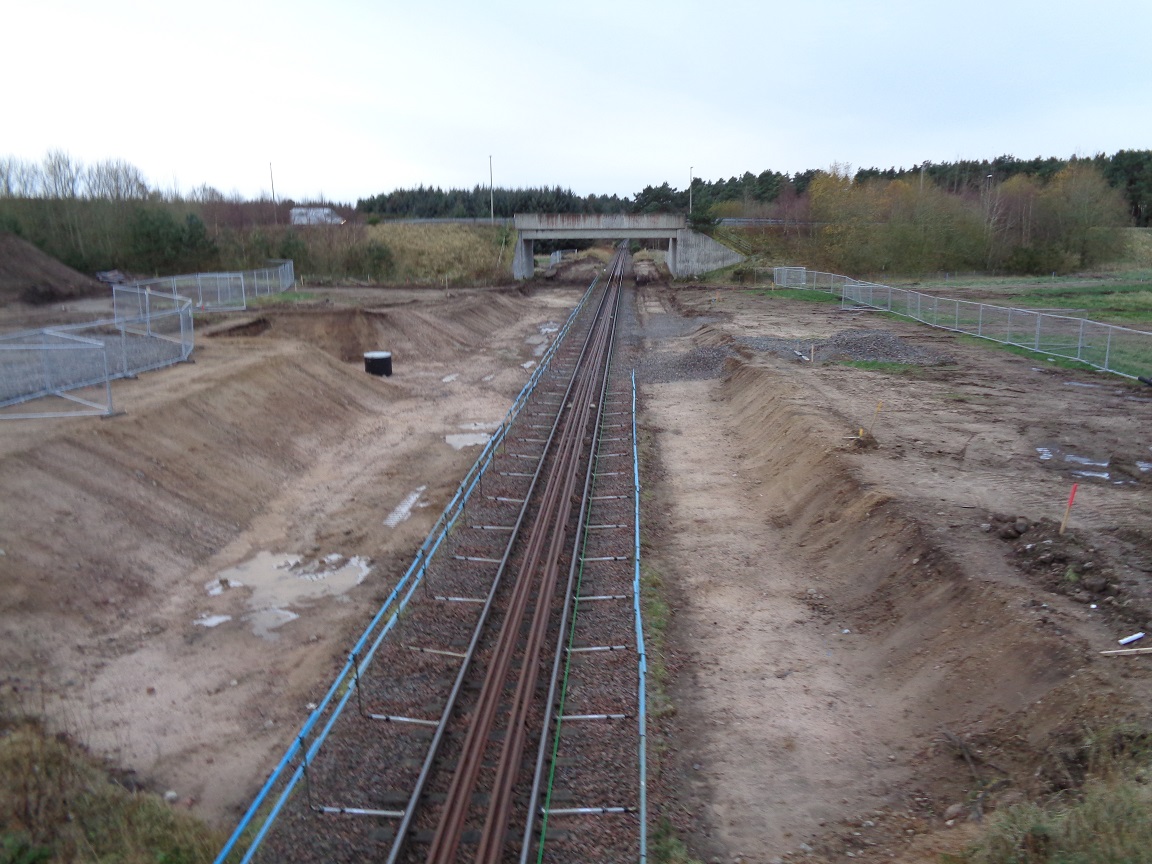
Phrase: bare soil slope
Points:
(27, 275)
(113, 616)
(850, 621)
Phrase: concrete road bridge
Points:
(690, 253)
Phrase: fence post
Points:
(1080, 340)
(980, 321)
(123, 347)
(46, 369)
(1037, 347)
(1008, 335)
(1108, 351)
(107, 381)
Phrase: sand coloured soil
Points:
(265, 444)
(27, 275)
(837, 612)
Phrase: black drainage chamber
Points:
(378, 362)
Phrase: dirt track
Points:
(835, 607)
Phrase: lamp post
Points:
(689, 190)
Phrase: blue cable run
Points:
(640, 650)
(414, 574)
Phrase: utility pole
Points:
(689, 190)
(491, 194)
(275, 217)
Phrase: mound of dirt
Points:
(576, 271)
(28, 275)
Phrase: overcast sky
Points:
(349, 98)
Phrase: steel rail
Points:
(403, 828)
(550, 703)
(536, 578)
(492, 837)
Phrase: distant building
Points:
(316, 216)
(111, 277)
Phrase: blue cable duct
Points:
(642, 695)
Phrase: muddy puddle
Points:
(540, 341)
(1116, 471)
(475, 434)
(277, 582)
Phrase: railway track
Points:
(499, 721)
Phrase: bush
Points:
(1038, 260)
(294, 248)
(1108, 820)
(1112, 825)
(159, 243)
(59, 804)
(372, 259)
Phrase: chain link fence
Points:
(77, 362)
(802, 277)
(1120, 350)
(225, 291)
(150, 327)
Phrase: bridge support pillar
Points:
(523, 262)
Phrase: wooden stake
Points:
(1122, 651)
(1068, 509)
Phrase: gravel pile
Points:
(695, 364)
(669, 326)
(881, 346)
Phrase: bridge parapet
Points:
(656, 224)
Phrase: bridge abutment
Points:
(689, 252)
(523, 258)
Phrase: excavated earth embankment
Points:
(179, 582)
(872, 640)
(864, 654)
